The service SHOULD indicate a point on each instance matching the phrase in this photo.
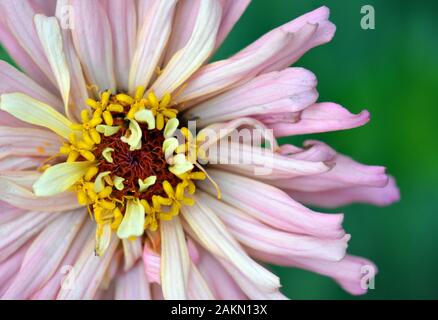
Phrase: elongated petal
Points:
(133, 221)
(198, 288)
(320, 117)
(213, 235)
(88, 272)
(290, 90)
(44, 255)
(273, 206)
(252, 233)
(187, 60)
(22, 178)
(133, 251)
(345, 173)
(123, 20)
(16, 232)
(19, 163)
(78, 92)
(261, 163)
(28, 142)
(175, 261)
(218, 76)
(218, 279)
(379, 196)
(10, 267)
(35, 112)
(93, 42)
(22, 58)
(20, 22)
(23, 198)
(232, 10)
(12, 80)
(60, 178)
(324, 32)
(152, 39)
(352, 273)
(152, 264)
(133, 284)
(65, 274)
(183, 23)
(47, 6)
(49, 34)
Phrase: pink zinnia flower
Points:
(100, 200)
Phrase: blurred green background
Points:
(393, 72)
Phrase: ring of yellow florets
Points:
(140, 174)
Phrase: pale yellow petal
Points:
(99, 183)
(103, 238)
(134, 140)
(106, 154)
(107, 131)
(50, 36)
(171, 127)
(133, 222)
(175, 260)
(118, 183)
(60, 178)
(35, 112)
(148, 182)
(146, 116)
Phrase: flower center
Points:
(136, 171)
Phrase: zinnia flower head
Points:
(101, 196)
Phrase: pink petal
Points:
(183, 25)
(28, 142)
(209, 231)
(123, 20)
(48, 7)
(8, 212)
(16, 232)
(351, 272)
(153, 35)
(273, 206)
(133, 285)
(248, 287)
(324, 32)
(21, 57)
(320, 117)
(132, 250)
(254, 234)
(89, 271)
(379, 196)
(175, 260)
(152, 265)
(93, 42)
(232, 10)
(313, 151)
(19, 163)
(10, 267)
(218, 279)
(290, 90)
(219, 76)
(23, 198)
(45, 254)
(261, 163)
(197, 287)
(19, 16)
(12, 80)
(345, 173)
(78, 92)
(65, 273)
